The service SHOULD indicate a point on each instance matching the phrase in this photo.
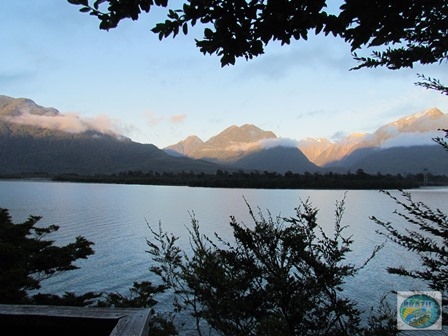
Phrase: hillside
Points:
(398, 160)
(26, 148)
(278, 159)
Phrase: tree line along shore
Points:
(264, 180)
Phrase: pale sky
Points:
(160, 92)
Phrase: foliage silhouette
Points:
(442, 141)
(281, 276)
(426, 236)
(399, 33)
(26, 258)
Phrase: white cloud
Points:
(263, 144)
(278, 142)
(69, 122)
(411, 139)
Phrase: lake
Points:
(116, 218)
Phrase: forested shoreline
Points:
(264, 180)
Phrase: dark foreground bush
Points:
(281, 276)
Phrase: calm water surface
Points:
(116, 218)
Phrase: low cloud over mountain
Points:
(411, 139)
(27, 112)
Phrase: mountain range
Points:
(400, 147)
(36, 139)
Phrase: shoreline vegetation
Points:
(253, 180)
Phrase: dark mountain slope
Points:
(399, 160)
(277, 159)
(29, 149)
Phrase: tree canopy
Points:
(400, 33)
